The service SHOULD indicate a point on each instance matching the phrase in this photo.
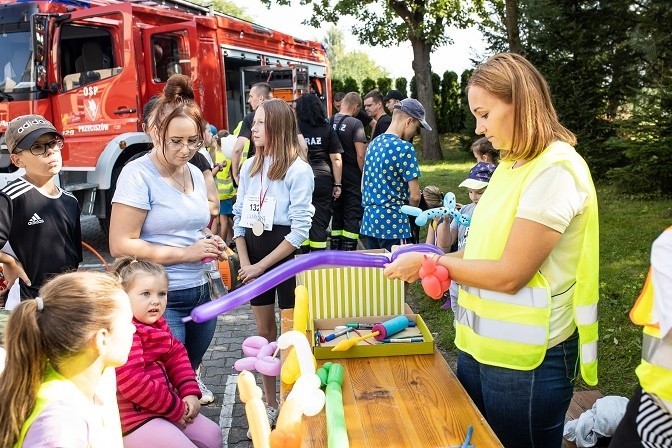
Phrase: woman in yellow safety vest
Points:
(648, 419)
(59, 387)
(527, 305)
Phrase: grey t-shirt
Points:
(173, 218)
(462, 231)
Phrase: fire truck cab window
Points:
(16, 73)
(87, 55)
(170, 56)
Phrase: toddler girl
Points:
(156, 389)
(484, 152)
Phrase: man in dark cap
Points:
(392, 98)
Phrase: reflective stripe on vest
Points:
(655, 370)
(511, 330)
(496, 329)
(534, 297)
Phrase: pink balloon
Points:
(268, 365)
(253, 344)
(245, 364)
(266, 350)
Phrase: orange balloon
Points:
(282, 439)
(432, 287)
(441, 273)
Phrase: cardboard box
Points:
(352, 292)
(364, 350)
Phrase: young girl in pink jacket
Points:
(157, 391)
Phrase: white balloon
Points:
(307, 387)
(226, 145)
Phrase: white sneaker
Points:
(272, 414)
(207, 396)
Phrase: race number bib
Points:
(254, 212)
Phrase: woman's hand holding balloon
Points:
(405, 267)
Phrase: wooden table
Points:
(400, 401)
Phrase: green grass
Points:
(628, 226)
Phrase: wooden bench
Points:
(581, 401)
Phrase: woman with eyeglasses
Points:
(38, 219)
(160, 213)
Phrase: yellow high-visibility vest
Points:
(655, 369)
(225, 187)
(56, 388)
(512, 331)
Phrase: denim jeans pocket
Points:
(570, 350)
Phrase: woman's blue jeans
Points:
(526, 409)
(195, 337)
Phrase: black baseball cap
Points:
(393, 95)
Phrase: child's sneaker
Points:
(272, 414)
(207, 396)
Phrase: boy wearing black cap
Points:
(38, 219)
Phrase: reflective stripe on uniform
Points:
(588, 352)
(500, 330)
(352, 236)
(657, 352)
(532, 297)
(586, 314)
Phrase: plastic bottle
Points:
(217, 288)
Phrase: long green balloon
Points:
(337, 434)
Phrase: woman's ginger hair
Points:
(177, 100)
(128, 269)
(76, 306)
(282, 140)
(514, 80)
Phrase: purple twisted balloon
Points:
(287, 270)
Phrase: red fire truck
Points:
(90, 66)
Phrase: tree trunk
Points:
(511, 22)
(431, 145)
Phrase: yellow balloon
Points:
(290, 371)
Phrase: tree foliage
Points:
(384, 84)
(227, 7)
(468, 135)
(421, 22)
(401, 84)
(609, 66)
(350, 85)
(337, 85)
(354, 64)
(451, 111)
(368, 85)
